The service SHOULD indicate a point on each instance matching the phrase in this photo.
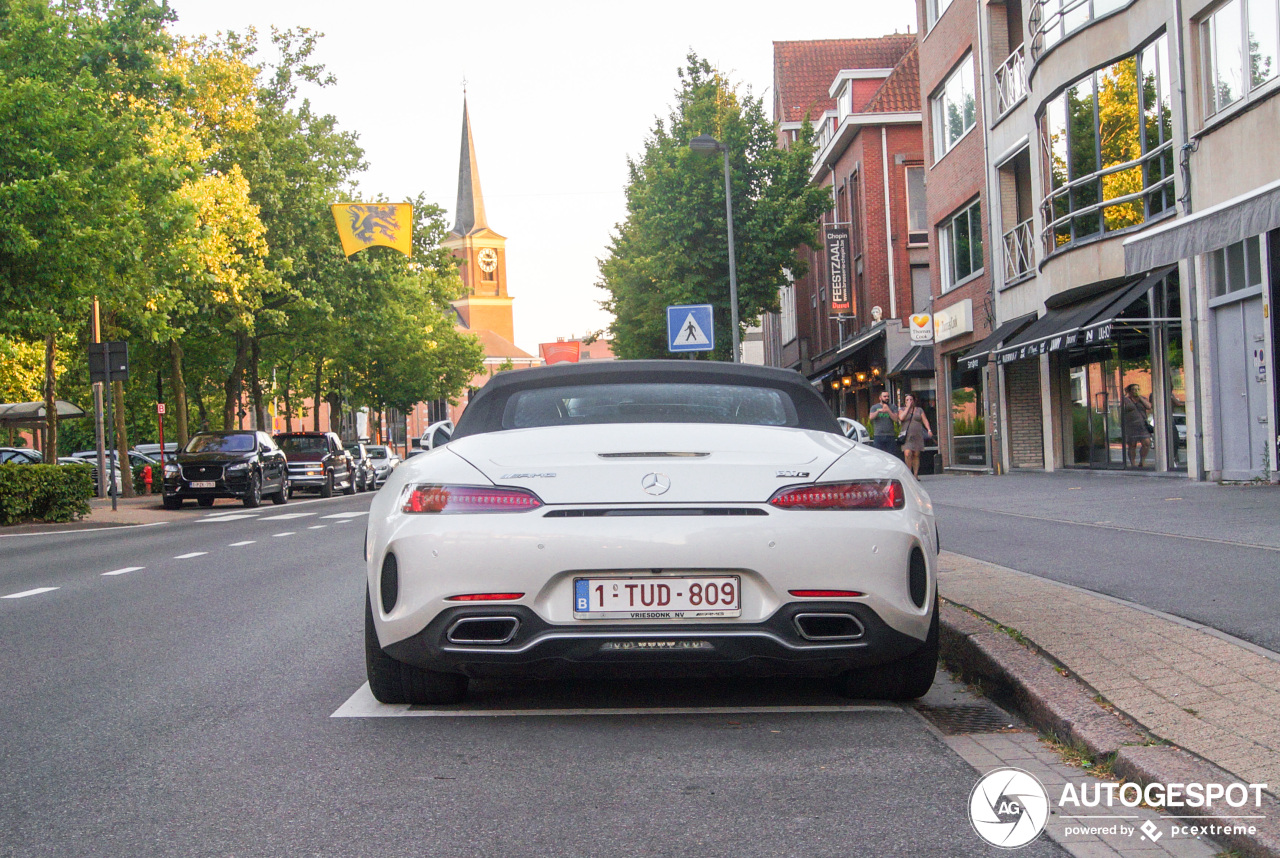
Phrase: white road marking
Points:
(233, 516)
(192, 554)
(362, 704)
(317, 527)
(114, 529)
(246, 542)
(125, 569)
(38, 590)
(286, 533)
(289, 515)
(346, 514)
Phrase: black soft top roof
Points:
(484, 413)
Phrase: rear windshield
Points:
(649, 403)
(304, 444)
(377, 452)
(222, 444)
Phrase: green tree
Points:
(673, 247)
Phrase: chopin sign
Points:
(837, 239)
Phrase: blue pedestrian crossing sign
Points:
(689, 328)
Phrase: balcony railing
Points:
(1011, 82)
(1019, 251)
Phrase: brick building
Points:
(862, 96)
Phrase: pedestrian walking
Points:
(915, 428)
(1135, 410)
(883, 421)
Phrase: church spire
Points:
(469, 214)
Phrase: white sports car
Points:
(650, 518)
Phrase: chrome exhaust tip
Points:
(829, 627)
(490, 631)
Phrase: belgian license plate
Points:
(204, 484)
(665, 598)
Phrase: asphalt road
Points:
(184, 708)
(1200, 551)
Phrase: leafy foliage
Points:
(673, 246)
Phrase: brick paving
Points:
(1185, 683)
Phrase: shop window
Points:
(1239, 43)
(1236, 267)
(960, 244)
(968, 418)
(955, 109)
(1108, 144)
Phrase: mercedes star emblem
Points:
(655, 484)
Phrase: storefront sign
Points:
(953, 321)
(837, 238)
(921, 325)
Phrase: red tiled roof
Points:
(496, 346)
(803, 71)
(900, 93)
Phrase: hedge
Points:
(44, 492)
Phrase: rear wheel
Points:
(351, 483)
(905, 679)
(394, 681)
(326, 490)
(283, 495)
(206, 502)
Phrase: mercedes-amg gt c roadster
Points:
(650, 518)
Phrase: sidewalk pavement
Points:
(1120, 679)
(144, 509)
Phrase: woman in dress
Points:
(1135, 410)
(915, 425)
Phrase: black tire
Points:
(905, 679)
(205, 502)
(394, 681)
(351, 483)
(253, 493)
(326, 490)
(172, 502)
(282, 496)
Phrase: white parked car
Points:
(855, 430)
(650, 518)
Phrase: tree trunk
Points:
(234, 385)
(203, 412)
(288, 400)
(315, 399)
(50, 447)
(121, 441)
(179, 392)
(260, 419)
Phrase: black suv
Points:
(241, 464)
(318, 462)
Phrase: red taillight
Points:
(856, 494)
(429, 497)
(825, 594)
(486, 597)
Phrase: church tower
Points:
(486, 306)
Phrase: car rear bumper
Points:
(538, 649)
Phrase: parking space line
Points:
(228, 516)
(346, 514)
(238, 544)
(362, 704)
(192, 554)
(288, 515)
(37, 591)
(125, 569)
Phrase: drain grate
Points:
(968, 719)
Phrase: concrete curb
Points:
(1044, 693)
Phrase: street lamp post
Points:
(706, 144)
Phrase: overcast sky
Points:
(560, 94)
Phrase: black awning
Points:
(14, 415)
(1080, 324)
(976, 357)
(824, 363)
(918, 361)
